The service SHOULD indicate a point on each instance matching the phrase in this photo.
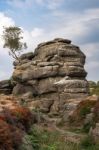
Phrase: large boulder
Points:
(54, 72)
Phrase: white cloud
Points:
(93, 13)
(50, 4)
(3, 75)
(36, 32)
(90, 49)
(54, 3)
(69, 25)
(75, 25)
(20, 3)
(72, 27)
(4, 22)
(92, 65)
(40, 1)
(34, 37)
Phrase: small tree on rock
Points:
(12, 39)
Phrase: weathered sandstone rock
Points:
(5, 87)
(51, 75)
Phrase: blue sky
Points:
(43, 20)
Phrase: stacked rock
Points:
(52, 74)
(5, 87)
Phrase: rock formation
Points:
(6, 87)
(51, 75)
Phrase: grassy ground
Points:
(54, 140)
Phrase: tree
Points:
(12, 37)
(92, 84)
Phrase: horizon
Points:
(43, 20)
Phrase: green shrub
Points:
(94, 90)
(34, 139)
(48, 140)
(87, 142)
(52, 140)
(92, 84)
(87, 127)
(84, 111)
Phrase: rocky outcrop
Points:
(5, 87)
(51, 75)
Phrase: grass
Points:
(48, 140)
(89, 144)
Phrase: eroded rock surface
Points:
(51, 75)
(6, 87)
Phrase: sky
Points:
(43, 20)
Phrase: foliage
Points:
(96, 111)
(87, 142)
(12, 39)
(84, 111)
(81, 111)
(34, 139)
(10, 136)
(20, 117)
(92, 84)
(47, 140)
(94, 87)
(54, 140)
(14, 123)
(95, 90)
(87, 126)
